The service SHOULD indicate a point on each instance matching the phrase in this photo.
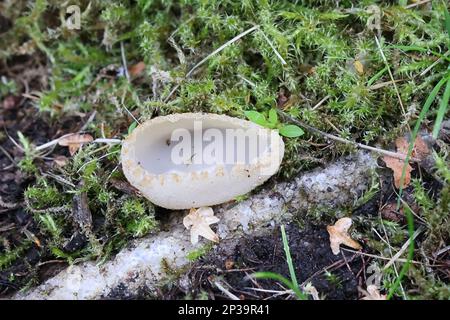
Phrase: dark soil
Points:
(311, 256)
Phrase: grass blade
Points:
(447, 19)
(419, 121)
(409, 216)
(442, 110)
(283, 280)
(288, 257)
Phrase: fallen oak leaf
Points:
(338, 235)
(420, 152)
(198, 221)
(396, 165)
(390, 212)
(75, 141)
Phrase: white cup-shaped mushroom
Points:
(191, 160)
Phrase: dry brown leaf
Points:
(60, 161)
(75, 141)
(420, 152)
(198, 221)
(390, 212)
(373, 293)
(136, 69)
(338, 235)
(396, 165)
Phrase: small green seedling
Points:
(26, 163)
(272, 122)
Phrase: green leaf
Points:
(291, 131)
(24, 142)
(287, 251)
(273, 116)
(132, 127)
(257, 117)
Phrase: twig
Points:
(7, 155)
(381, 257)
(124, 61)
(283, 62)
(52, 209)
(434, 64)
(225, 291)
(89, 120)
(55, 141)
(246, 80)
(402, 249)
(226, 44)
(412, 5)
(342, 140)
(97, 159)
(321, 102)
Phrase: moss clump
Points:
(10, 255)
(199, 253)
(44, 195)
(138, 218)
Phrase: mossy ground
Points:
(54, 79)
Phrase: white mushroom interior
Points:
(161, 149)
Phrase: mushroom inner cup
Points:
(190, 145)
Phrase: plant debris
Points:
(339, 235)
(420, 152)
(373, 293)
(75, 141)
(198, 221)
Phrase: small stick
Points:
(402, 249)
(342, 140)
(434, 64)
(55, 141)
(283, 62)
(225, 291)
(124, 61)
(412, 5)
(321, 102)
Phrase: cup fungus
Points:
(192, 160)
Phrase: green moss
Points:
(320, 41)
(44, 195)
(9, 256)
(138, 218)
(199, 253)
